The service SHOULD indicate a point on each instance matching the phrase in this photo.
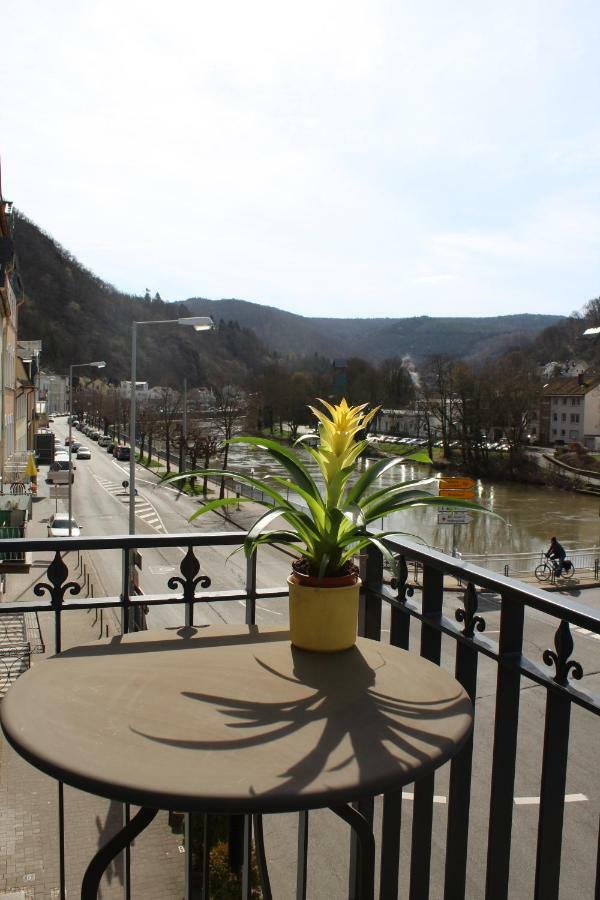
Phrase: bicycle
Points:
(547, 569)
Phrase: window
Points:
(574, 417)
(563, 417)
(554, 417)
(564, 401)
(554, 431)
(563, 432)
(573, 435)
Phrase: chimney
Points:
(580, 380)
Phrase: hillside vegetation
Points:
(378, 339)
(79, 317)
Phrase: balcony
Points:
(515, 815)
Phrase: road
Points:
(101, 505)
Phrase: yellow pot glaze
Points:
(323, 619)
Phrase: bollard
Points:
(506, 568)
(101, 622)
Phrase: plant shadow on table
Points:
(363, 736)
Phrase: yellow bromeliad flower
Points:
(338, 447)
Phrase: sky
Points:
(334, 158)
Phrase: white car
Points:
(84, 453)
(58, 526)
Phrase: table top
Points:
(233, 719)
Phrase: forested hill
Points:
(79, 317)
(378, 339)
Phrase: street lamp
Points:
(95, 365)
(198, 323)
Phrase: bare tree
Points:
(230, 412)
(168, 413)
(439, 391)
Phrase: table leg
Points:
(366, 845)
(261, 857)
(106, 854)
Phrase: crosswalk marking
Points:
(144, 510)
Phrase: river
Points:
(531, 514)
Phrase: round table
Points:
(232, 719)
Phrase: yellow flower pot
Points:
(324, 619)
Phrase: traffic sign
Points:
(453, 517)
(460, 488)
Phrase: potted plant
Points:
(329, 521)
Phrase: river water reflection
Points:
(532, 514)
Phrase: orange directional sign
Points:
(457, 483)
(460, 488)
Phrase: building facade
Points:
(570, 411)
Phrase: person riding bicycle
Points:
(557, 553)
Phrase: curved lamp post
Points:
(95, 365)
(198, 323)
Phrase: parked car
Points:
(58, 526)
(122, 453)
(59, 473)
(110, 447)
(104, 440)
(84, 453)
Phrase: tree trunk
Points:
(225, 457)
(206, 465)
(150, 448)
(168, 449)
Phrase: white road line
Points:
(587, 633)
(264, 608)
(437, 798)
(535, 801)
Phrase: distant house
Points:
(570, 411)
(141, 389)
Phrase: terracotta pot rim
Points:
(335, 581)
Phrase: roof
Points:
(571, 387)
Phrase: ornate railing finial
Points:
(563, 643)
(404, 590)
(57, 573)
(468, 614)
(189, 569)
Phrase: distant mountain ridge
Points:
(377, 338)
(78, 316)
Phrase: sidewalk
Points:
(28, 798)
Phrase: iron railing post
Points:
(508, 688)
(431, 646)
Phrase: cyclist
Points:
(557, 553)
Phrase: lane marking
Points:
(264, 608)
(535, 801)
(437, 798)
(587, 633)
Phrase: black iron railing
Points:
(419, 618)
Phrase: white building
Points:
(141, 389)
(570, 411)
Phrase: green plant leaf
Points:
(371, 475)
(287, 458)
